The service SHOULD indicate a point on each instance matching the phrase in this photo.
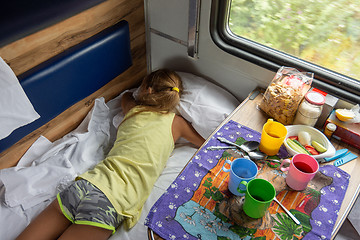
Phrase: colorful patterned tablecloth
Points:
(198, 205)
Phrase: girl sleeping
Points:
(115, 190)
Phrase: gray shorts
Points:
(83, 203)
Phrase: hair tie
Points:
(175, 89)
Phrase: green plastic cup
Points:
(258, 197)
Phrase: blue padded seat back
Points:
(67, 78)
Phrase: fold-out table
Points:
(248, 114)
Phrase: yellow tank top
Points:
(127, 175)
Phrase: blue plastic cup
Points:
(241, 169)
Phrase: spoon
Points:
(212, 148)
(287, 212)
(257, 155)
(247, 147)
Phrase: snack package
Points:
(284, 94)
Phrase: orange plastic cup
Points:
(272, 137)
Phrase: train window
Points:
(322, 37)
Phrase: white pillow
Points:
(16, 109)
(204, 104)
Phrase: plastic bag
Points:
(284, 94)
(356, 110)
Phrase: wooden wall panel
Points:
(30, 51)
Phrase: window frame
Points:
(329, 81)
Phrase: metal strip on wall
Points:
(193, 28)
(167, 36)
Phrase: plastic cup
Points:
(241, 170)
(259, 195)
(272, 137)
(302, 169)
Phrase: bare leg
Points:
(50, 224)
(77, 232)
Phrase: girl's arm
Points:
(182, 128)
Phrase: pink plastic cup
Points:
(302, 169)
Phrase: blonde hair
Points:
(164, 91)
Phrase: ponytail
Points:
(165, 91)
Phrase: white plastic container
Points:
(293, 130)
(310, 109)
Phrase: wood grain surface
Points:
(30, 51)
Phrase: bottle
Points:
(329, 130)
(310, 109)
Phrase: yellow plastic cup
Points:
(272, 137)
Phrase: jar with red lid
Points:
(310, 109)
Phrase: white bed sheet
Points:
(16, 108)
(47, 168)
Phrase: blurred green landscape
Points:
(326, 33)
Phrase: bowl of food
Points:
(308, 140)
